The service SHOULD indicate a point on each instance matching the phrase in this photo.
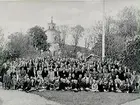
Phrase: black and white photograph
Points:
(69, 52)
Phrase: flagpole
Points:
(103, 32)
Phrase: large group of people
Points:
(68, 74)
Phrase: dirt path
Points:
(135, 102)
(0, 102)
(14, 97)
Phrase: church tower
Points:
(51, 24)
(53, 37)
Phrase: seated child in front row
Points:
(94, 85)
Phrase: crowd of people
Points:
(68, 74)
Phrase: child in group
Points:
(51, 76)
(32, 82)
(136, 83)
(123, 86)
(27, 84)
(13, 78)
(117, 83)
(100, 85)
(86, 82)
(74, 83)
(5, 77)
(14, 82)
(94, 86)
(105, 84)
(80, 82)
(110, 85)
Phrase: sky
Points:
(20, 15)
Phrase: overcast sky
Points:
(20, 15)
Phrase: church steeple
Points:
(53, 36)
(52, 19)
(51, 24)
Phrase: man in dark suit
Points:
(3, 71)
(27, 85)
(44, 72)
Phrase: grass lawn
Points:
(88, 98)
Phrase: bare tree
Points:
(64, 29)
(114, 43)
(90, 37)
(1, 38)
(77, 33)
(128, 22)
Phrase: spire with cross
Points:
(52, 19)
(51, 24)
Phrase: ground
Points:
(0, 102)
(88, 98)
(134, 102)
(14, 97)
